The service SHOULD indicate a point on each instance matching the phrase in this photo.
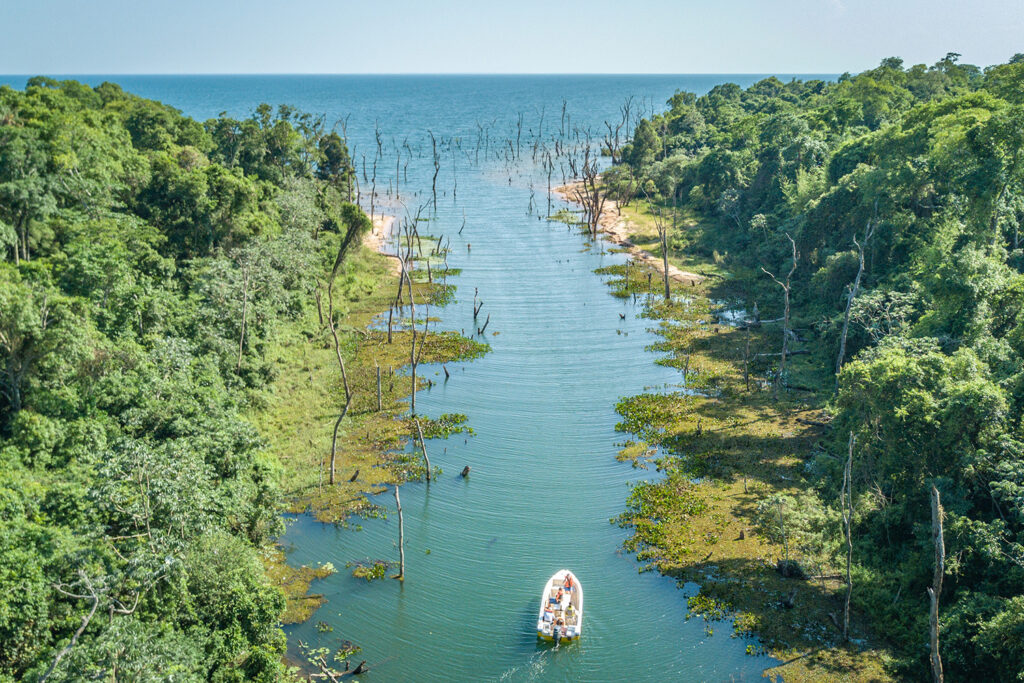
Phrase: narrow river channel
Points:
(544, 481)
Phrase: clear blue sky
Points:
(503, 36)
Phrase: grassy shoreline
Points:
(306, 396)
(726, 449)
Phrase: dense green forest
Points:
(148, 259)
(903, 192)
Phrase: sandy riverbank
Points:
(617, 230)
(379, 237)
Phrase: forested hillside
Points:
(147, 261)
(903, 192)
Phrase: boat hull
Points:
(561, 609)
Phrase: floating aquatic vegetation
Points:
(370, 570)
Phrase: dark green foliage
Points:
(932, 158)
(131, 484)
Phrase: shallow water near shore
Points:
(544, 481)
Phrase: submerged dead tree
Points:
(437, 166)
(403, 250)
(519, 134)
(415, 351)
(785, 316)
(549, 166)
(373, 189)
(588, 192)
(401, 538)
(423, 447)
(612, 141)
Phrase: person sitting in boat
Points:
(560, 595)
(568, 582)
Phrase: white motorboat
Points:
(561, 608)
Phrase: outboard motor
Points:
(556, 631)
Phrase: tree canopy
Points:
(922, 166)
(135, 497)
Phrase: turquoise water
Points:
(544, 479)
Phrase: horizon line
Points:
(429, 73)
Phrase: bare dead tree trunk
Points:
(935, 590)
(412, 348)
(334, 437)
(785, 318)
(595, 200)
(245, 310)
(423, 447)
(337, 349)
(24, 243)
(854, 289)
(344, 378)
(662, 228)
(403, 261)
(17, 235)
(379, 402)
(401, 538)
(319, 306)
(663, 236)
(373, 189)
(550, 167)
(414, 351)
(519, 133)
(325, 670)
(437, 167)
(81, 629)
(846, 502)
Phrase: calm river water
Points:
(544, 481)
